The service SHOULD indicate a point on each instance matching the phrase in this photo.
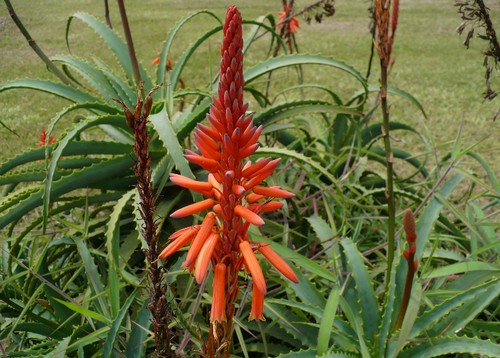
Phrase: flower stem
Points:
(389, 191)
(130, 42)
(161, 315)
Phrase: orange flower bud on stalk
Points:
(233, 193)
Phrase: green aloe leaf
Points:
(367, 304)
(166, 132)
(429, 318)
(60, 350)
(428, 218)
(117, 121)
(290, 109)
(85, 312)
(114, 42)
(461, 267)
(56, 89)
(94, 278)
(396, 91)
(309, 353)
(448, 345)
(167, 44)
(136, 344)
(326, 324)
(92, 75)
(275, 63)
(111, 339)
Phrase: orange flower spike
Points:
(193, 208)
(189, 183)
(248, 215)
(257, 312)
(205, 256)
(277, 261)
(205, 230)
(156, 61)
(179, 242)
(253, 266)
(274, 191)
(218, 312)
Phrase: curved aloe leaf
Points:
(162, 66)
(166, 132)
(427, 321)
(79, 179)
(275, 63)
(394, 90)
(114, 42)
(290, 109)
(56, 89)
(426, 222)
(448, 345)
(367, 303)
(325, 327)
(92, 75)
(116, 121)
(110, 340)
(139, 333)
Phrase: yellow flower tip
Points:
(253, 266)
(200, 239)
(193, 208)
(257, 311)
(218, 312)
(277, 261)
(201, 267)
(248, 215)
(178, 242)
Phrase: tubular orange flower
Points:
(273, 191)
(232, 190)
(193, 208)
(205, 256)
(257, 312)
(178, 242)
(277, 262)
(248, 215)
(218, 312)
(205, 229)
(253, 266)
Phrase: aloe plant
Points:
(72, 265)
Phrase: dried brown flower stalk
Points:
(137, 120)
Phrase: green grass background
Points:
(431, 62)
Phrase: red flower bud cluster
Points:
(411, 238)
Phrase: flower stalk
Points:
(386, 20)
(130, 42)
(235, 198)
(137, 120)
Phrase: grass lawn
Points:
(431, 62)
